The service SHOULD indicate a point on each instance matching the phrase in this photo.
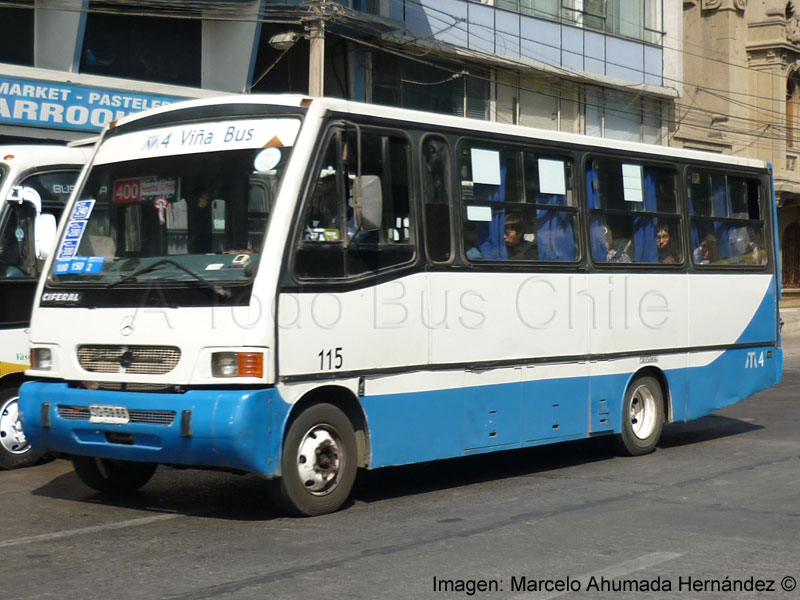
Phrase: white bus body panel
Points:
(197, 331)
(381, 327)
(22, 160)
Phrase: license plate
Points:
(103, 413)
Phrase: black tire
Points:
(317, 478)
(642, 417)
(15, 451)
(107, 475)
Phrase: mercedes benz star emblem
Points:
(127, 326)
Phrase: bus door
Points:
(356, 306)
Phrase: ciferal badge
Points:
(61, 298)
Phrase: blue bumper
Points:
(235, 429)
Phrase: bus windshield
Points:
(199, 213)
(18, 255)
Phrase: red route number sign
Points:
(127, 190)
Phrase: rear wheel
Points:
(319, 462)
(642, 417)
(107, 475)
(15, 451)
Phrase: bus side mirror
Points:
(368, 202)
(22, 193)
(44, 234)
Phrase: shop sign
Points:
(55, 105)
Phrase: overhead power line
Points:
(292, 14)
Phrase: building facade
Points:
(610, 68)
(742, 96)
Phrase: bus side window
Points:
(634, 213)
(324, 217)
(320, 251)
(436, 198)
(331, 244)
(728, 229)
(16, 242)
(388, 156)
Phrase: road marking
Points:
(85, 530)
(610, 572)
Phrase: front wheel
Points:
(642, 417)
(15, 451)
(107, 475)
(319, 462)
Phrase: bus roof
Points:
(323, 105)
(23, 157)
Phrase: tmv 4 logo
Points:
(753, 362)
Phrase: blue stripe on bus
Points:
(762, 325)
(243, 429)
(230, 428)
(425, 426)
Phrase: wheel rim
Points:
(12, 438)
(319, 460)
(643, 412)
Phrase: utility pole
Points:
(316, 57)
(320, 11)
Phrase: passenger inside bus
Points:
(707, 252)
(666, 253)
(618, 247)
(517, 247)
(757, 253)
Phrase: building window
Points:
(16, 35)
(559, 105)
(155, 49)
(372, 7)
(537, 102)
(622, 116)
(536, 8)
(793, 110)
(638, 19)
(790, 256)
(410, 84)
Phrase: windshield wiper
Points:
(220, 291)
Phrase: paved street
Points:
(715, 505)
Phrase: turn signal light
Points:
(251, 364)
(237, 364)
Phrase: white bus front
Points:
(35, 183)
(153, 334)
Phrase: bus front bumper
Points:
(229, 429)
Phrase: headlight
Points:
(41, 359)
(237, 364)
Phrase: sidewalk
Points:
(790, 333)
(791, 321)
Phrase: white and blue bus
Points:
(300, 287)
(35, 184)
